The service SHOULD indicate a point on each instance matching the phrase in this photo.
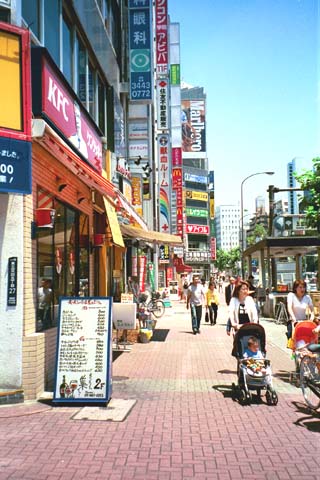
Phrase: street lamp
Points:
(241, 213)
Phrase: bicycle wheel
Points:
(156, 307)
(309, 373)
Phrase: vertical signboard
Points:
(193, 127)
(140, 50)
(162, 104)
(161, 9)
(12, 282)
(213, 249)
(84, 352)
(164, 182)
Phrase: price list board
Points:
(84, 350)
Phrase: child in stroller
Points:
(253, 369)
(303, 335)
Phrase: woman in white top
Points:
(242, 308)
(299, 305)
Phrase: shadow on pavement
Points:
(231, 372)
(283, 375)
(311, 420)
(226, 390)
(160, 334)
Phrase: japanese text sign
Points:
(140, 50)
(15, 166)
(84, 356)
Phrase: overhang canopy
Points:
(124, 204)
(150, 235)
(50, 140)
(182, 268)
(277, 247)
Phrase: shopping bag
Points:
(206, 317)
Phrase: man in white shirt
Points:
(195, 298)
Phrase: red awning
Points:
(182, 268)
(50, 140)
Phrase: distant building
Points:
(227, 220)
(260, 205)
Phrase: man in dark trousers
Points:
(228, 291)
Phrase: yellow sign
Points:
(10, 81)
(197, 195)
(211, 204)
(113, 223)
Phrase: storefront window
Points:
(63, 259)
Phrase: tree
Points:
(258, 232)
(227, 260)
(310, 182)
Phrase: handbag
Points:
(206, 317)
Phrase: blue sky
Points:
(257, 61)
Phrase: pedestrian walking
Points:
(212, 297)
(228, 292)
(195, 299)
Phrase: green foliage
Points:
(310, 182)
(259, 232)
(227, 260)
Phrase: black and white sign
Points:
(84, 352)
(12, 282)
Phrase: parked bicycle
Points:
(155, 305)
(310, 376)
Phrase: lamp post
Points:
(241, 213)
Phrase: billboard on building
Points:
(140, 48)
(162, 57)
(15, 110)
(193, 126)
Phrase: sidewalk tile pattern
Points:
(184, 424)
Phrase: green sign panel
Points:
(196, 212)
(175, 74)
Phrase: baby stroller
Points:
(250, 378)
(301, 337)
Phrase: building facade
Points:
(227, 223)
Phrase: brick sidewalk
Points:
(184, 425)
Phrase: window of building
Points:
(92, 90)
(4, 15)
(81, 67)
(101, 105)
(31, 15)
(51, 28)
(67, 56)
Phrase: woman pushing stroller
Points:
(242, 308)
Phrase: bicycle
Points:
(155, 305)
(281, 314)
(310, 376)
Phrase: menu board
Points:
(84, 350)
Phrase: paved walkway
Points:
(184, 424)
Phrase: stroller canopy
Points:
(245, 331)
(303, 331)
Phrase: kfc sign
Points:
(62, 108)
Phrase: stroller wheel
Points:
(233, 391)
(274, 398)
(268, 397)
(243, 399)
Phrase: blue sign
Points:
(15, 166)
(140, 50)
